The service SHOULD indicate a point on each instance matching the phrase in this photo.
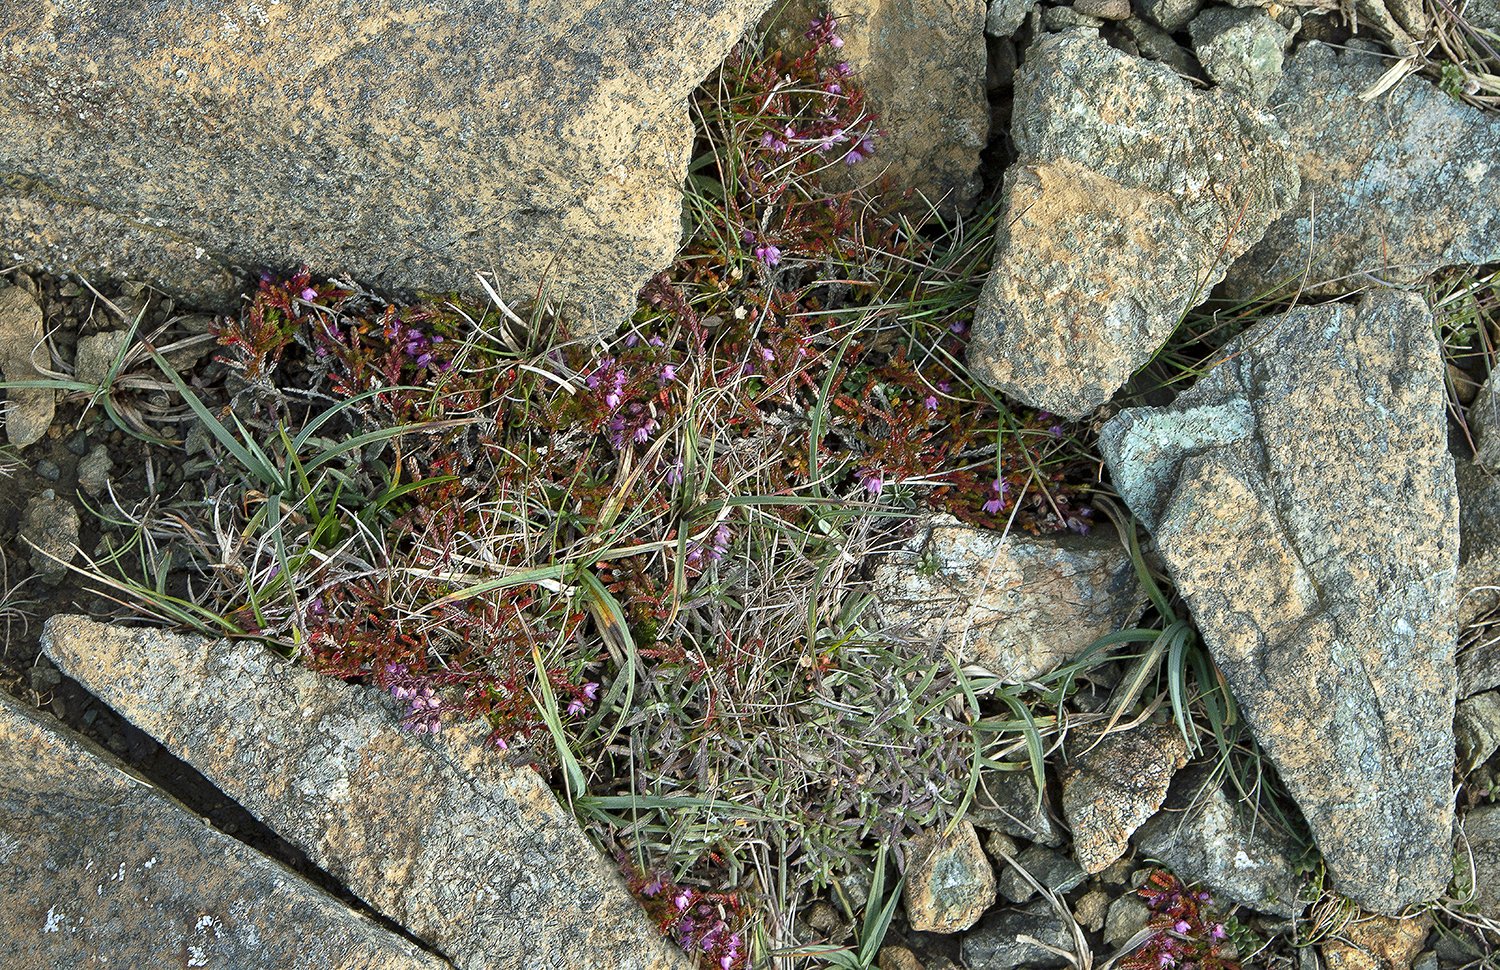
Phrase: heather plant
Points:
(1183, 931)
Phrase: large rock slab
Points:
(97, 862)
(1131, 195)
(1392, 188)
(1303, 500)
(409, 143)
(475, 858)
(1018, 606)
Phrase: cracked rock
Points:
(1303, 500)
(27, 411)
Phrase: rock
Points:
(996, 944)
(897, 958)
(1092, 910)
(1476, 728)
(473, 857)
(949, 882)
(1476, 860)
(1377, 943)
(28, 410)
(1115, 785)
(102, 866)
(49, 528)
(1169, 15)
(97, 354)
(1131, 195)
(545, 140)
(1302, 499)
(1007, 801)
(1484, 425)
(923, 68)
(1478, 560)
(1054, 871)
(1018, 606)
(1391, 188)
(1005, 17)
(1127, 917)
(1058, 19)
(1103, 9)
(1204, 837)
(1157, 44)
(93, 471)
(1401, 23)
(1241, 50)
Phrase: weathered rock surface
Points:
(1204, 837)
(1051, 869)
(1377, 943)
(1476, 860)
(97, 354)
(949, 881)
(995, 944)
(1131, 195)
(1018, 606)
(1302, 498)
(1391, 188)
(1242, 50)
(408, 143)
(1127, 916)
(28, 411)
(1170, 15)
(1006, 801)
(1476, 728)
(49, 529)
(923, 66)
(1478, 548)
(475, 858)
(1115, 785)
(98, 863)
(1484, 425)
(1005, 17)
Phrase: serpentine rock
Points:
(1302, 497)
(475, 858)
(409, 143)
(1392, 187)
(99, 862)
(1131, 195)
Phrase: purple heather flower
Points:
(767, 354)
(654, 886)
(768, 254)
(643, 434)
(674, 474)
(853, 158)
(871, 481)
(682, 899)
(867, 145)
(1055, 431)
(835, 41)
(1182, 926)
(843, 68)
(726, 961)
(668, 374)
(500, 743)
(590, 690)
(576, 707)
(309, 294)
(612, 399)
(958, 326)
(1165, 960)
(1204, 897)
(833, 87)
(931, 401)
(1219, 932)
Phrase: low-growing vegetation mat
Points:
(643, 560)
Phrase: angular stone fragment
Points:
(1169, 15)
(49, 530)
(27, 411)
(1478, 551)
(1017, 605)
(97, 354)
(1377, 943)
(1131, 195)
(1476, 728)
(1204, 837)
(1476, 860)
(1484, 425)
(1052, 870)
(922, 66)
(405, 142)
(1242, 50)
(1005, 17)
(997, 944)
(98, 862)
(1006, 801)
(949, 881)
(475, 858)
(1392, 188)
(1303, 500)
(1115, 785)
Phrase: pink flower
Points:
(871, 481)
(931, 401)
(576, 707)
(309, 294)
(1182, 926)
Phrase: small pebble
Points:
(48, 471)
(78, 443)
